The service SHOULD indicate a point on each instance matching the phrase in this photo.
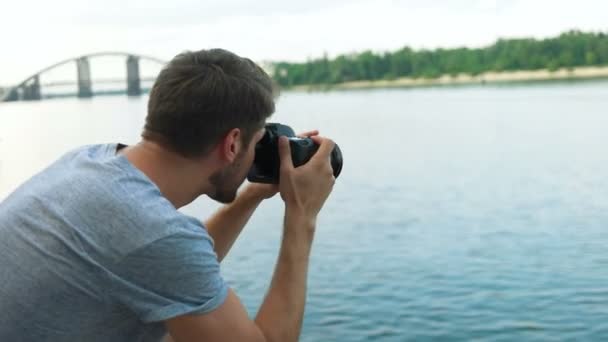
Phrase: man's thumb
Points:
(285, 153)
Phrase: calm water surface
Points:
(461, 213)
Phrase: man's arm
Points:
(304, 191)
(226, 224)
(280, 316)
(287, 296)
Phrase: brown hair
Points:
(200, 96)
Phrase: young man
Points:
(94, 249)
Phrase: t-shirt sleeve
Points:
(172, 276)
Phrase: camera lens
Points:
(336, 160)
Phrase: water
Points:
(461, 213)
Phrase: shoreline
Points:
(493, 77)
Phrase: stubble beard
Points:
(227, 182)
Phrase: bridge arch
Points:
(30, 86)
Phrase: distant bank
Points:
(571, 55)
(577, 73)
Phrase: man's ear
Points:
(230, 145)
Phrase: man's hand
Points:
(262, 191)
(305, 188)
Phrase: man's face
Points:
(228, 180)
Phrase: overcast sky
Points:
(35, 34)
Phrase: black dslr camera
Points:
(266, 165)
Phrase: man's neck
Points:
(179, 179)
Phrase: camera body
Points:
(267, 163)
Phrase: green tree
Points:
(570, 49)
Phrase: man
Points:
(94, 249)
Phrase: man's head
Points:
(211, 100)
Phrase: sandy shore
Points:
(463, 79)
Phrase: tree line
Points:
(570, 49)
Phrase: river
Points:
(461, 213)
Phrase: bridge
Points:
(30, 88)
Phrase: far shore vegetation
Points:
(569, 51)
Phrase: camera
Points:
(267, 163)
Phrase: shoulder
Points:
(127, 215)
(112, 207)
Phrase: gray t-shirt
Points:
(91, 251)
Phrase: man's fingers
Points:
(285, 153)
(325, 148)
(308, 134)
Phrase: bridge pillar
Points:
(84, 77)
(13, 95)
(133, 80)
(31, 90)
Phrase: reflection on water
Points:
(461, 213)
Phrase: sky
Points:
(36, 34)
